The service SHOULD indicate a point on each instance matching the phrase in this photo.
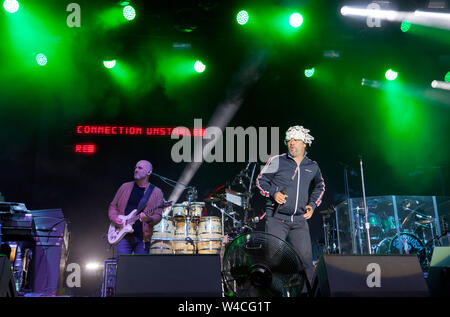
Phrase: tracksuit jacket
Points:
(303, 183)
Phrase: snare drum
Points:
(179, 210)
(196, 209)
(185, 229)
(162, 237)
(210, 235)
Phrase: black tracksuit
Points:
(304, 186)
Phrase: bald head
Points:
(142, 170)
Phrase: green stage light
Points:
(242, 17)
(109, 64)
(406, 25)
(447, 77)
(295, 20)
(129, 13)
(391, 75)
(11, 6)
(309, 72)
(199, 67)
(41, 59)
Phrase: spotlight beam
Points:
(249, 73)
(435, 96)
(431, 19)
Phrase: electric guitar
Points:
(115, 233)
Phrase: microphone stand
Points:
(350, 211)
(192, 190)
(225, 213)
(366, 216)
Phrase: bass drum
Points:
(384, 246)
(408, 243)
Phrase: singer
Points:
(136, 195)
(286, 181)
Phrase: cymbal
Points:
(214, 199)
(424, 222)
(326, 212)
(237, 193)
(407, 218)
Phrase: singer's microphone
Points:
(283, 191)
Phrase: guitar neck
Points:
(135, 218)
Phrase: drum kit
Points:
(183, 229)
(187, 232)
(416, 234)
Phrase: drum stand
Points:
(191, 195)
(326, 234)
(223, 212)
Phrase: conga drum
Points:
(179, 211)
(185, 238)
(162, 237)
(209, 235)
(196, 209)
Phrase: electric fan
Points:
(259, 264)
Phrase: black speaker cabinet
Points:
(162, 275)
(439, 273)
(7, 284)
(370, 276)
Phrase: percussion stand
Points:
(191, 196)
(225, 213)
(326, 234)
(432, 234)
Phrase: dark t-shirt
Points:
(133, 201)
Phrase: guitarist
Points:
(136, 195)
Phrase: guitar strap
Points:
(148, 192)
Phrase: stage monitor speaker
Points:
(439, 273)
(7, 284)
(109, 278)
(163, 275)
(370, 276)
(50, 252)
